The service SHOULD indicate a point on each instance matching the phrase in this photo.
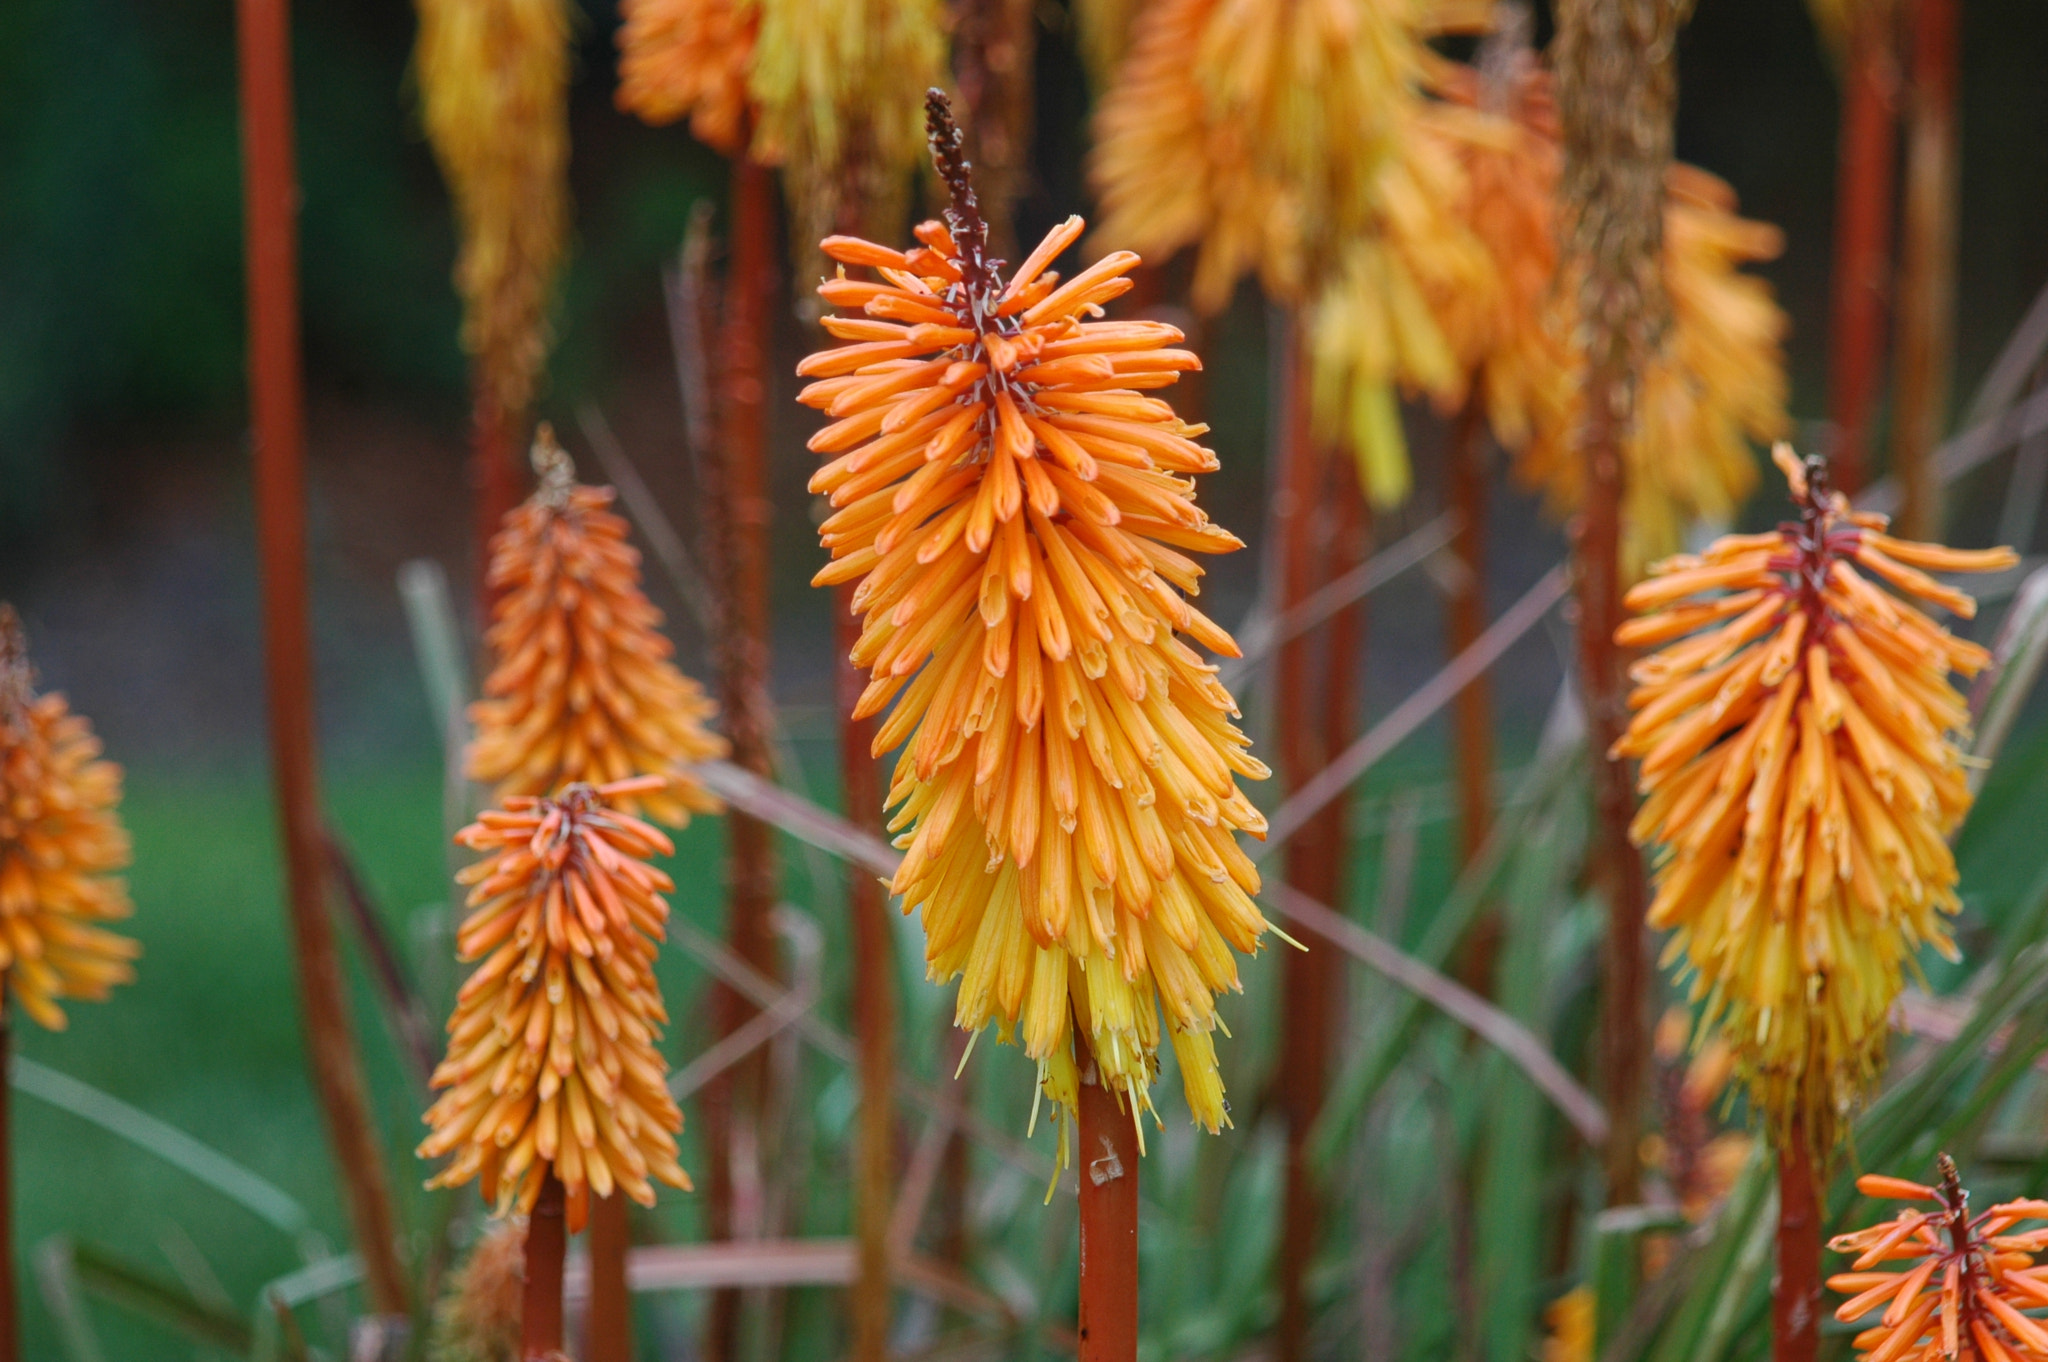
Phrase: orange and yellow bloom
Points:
(1796, 734)
(1020, 516)
(552, 1059)
(583, 689)
(62, 848)
(1962, 1284)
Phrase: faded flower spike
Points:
(1796, 735)
(61, 848)
(1962, 1282)
(1019, 517)
(552, 1059)
(583, 689)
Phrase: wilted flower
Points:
(61, 848)
(583, 689)
(1796, 740)
(494, 77)
(1962, 1283)
(1713, 382)
(552, 1060)
(478, 1319)
(689, 58)
(1018, 516)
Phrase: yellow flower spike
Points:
(62, 847)
(583, 689)
(689, 59)
(1254, 131)
(1962, 1282)
(494, 77)
(552, 1057)
(834, 85)
(1017, 515)
(1796, 737)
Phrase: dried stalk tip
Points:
(17, 678)
(552, 467)
(963, 213)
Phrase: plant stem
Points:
(1616, 92)
(1472, 713)
(995, 45)
(608, 1321)
(494, 479)
(270, 207)
(547, 1245)
(10, 1320)
(1795, 1297)
(1927, 267)
(1864, 177)
(737, 474)
(1314, 722)
(874, 1007)
(1108, 1169)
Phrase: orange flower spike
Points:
(1961, 1297)
(688, 59)
(552, 1056)
(1796, 734)
(583, 689)
(62, 847)
(1066, 794)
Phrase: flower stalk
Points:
(1107, 1327)
(1616, 91)
(277, 398)
(1865, 177)
(1927, 266)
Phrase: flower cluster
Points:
(1963, 1280)
(689, 59)
(552, 1062)
(583, 689)
(1018, 515)
(824, 89)
(62, 847)
(494, 79)
(1796, 740)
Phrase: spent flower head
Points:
(1019, 517)
(494, 79)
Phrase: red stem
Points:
(1321, 519)
(10, 1323)
(608, 1322)
(494, 478)
(1863, 227)
(547, 1245)
(738, 481)
(1795, 1299)
(874, 1007)
(1472, 712)
(1927, 267)
(270, 207)
(1108, 1171)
